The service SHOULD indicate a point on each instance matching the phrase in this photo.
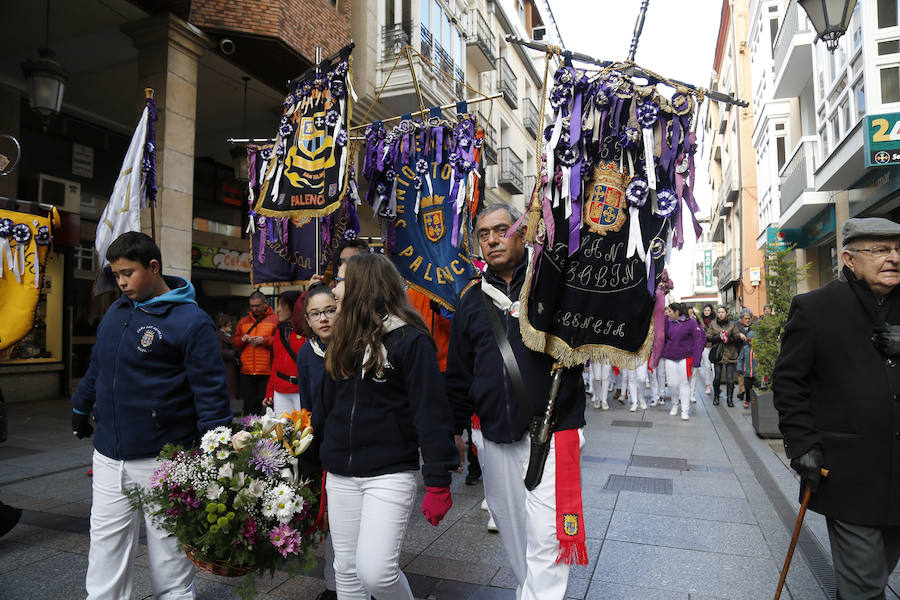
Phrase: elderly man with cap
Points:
(837, 391)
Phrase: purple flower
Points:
(248, 532)
(647, 114)
(268, 457)
(628, 137)
(285, 539)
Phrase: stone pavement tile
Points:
(693, 534)
(11, 473)
(76, 543)
(299, 588)
(595, 496)
(691, 571)
(58, 577)
(421, 585)
(712, 508)
(504, 578)
(46, 462)
(707, 487)
(453, 590)
(493, 593)
(71, 509)
(596, 521)
(31, 502)
(604, 590)
(468, 543)
(467, 571)
(73, 485)
(14, 555)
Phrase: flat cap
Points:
(871, 227)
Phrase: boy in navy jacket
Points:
(156, 376)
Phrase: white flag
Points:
(123, 213)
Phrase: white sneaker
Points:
(643, 404)
(596, 404)
(492, 527)
(685, 416)
(674, 410)
(604, 406)
(484, 504)
(633, 407)
(693, 398)
(653, 402)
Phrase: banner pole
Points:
(148, 95)
(318, 219)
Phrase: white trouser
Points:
(600, 374)
(636, 379)
(529, 535)
(286, 402)
(657, 381)
(587, 379)
(707, 371)
(368, 517)
(114, 537)
(679, 388)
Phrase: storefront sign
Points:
(225, 259)
(882, 140)
(82, 161)
(776, 240)
(707, 268)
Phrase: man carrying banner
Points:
(541, 525)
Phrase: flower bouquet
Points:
(237, 505)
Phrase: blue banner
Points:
(424, 253)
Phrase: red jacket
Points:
(283, 364)
(256, 360)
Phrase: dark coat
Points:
(476, 375)
(834, 390)
(229, 357)
(733, 346)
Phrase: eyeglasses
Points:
(316, 315)
(878, 251)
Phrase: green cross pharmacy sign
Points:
(882, 140)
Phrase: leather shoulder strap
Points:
(509, 359)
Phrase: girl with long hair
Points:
(383, 403)
(282, 393)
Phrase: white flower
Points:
(213, 491)
(223, 435)
(238, 481)
(257, 488)
(281, 491)
(223, 454)
(226, 470)
(241, 440)
(269, 421)
(286, 474)
(243, 498)
(285, 512)
(270, 507)
(208, 442)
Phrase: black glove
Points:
(886, 338)
(81, 425)
(809, 467)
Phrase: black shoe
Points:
(472, 479)
(715, 401)
(730, 403)
(9, 516)
(327, 595)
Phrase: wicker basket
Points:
(225, 569)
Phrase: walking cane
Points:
(790, 554)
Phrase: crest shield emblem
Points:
(570, 524)
(147, 338)
(434, 225)
(604, 205)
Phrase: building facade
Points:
(195, 56)
(734, 219)
(815, 168)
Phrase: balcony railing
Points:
(530, 117)
(425, 42)
(489, 149)
(509, 84)
(459, 84)
(725, 271)
(791, 24)
(796, 175)
(395, 37)
(510, 171)
(482, 40)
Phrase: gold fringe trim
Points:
(567, 356)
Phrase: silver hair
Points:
(513, 212)
(746, 311)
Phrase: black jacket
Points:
(834, 390)
(376, 424)
(476, 376)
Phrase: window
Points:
(425, 14)
(845, 114)
(437, 17)
(890, 85)
(887, 13)
(781, 151)
(859, 91)
(773, 31)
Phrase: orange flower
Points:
(301, 418)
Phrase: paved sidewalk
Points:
(674, 510)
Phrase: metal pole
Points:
(318, 219)
(541, 46)
(443, 107)
(148, 95)
(638, 27)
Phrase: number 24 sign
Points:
(882, 140)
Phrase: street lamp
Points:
(46, 79)
(831, 18)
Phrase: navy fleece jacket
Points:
(156, 375)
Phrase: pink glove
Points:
(436, 503)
